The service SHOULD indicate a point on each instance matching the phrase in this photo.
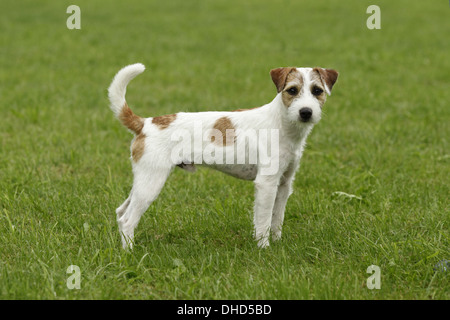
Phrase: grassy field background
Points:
(64, 164)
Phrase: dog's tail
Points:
(116, 94)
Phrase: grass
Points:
(64, 164)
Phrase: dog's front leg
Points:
(265, 194)
(283, 193)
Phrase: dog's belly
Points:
(241, 171)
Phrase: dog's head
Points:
(303, 91)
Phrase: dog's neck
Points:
(294, 132)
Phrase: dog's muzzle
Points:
(305, 114)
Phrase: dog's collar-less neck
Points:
(295, 132)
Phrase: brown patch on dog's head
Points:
(227, 130)
(130, 120)
(138, 147)
(317, 87)
(328, 77)
(279, 76)
(164, 121)
(292, 88)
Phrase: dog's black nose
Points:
(305, 114)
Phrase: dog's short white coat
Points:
(271, 191)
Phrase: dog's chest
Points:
(241, 171)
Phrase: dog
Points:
(162, 143)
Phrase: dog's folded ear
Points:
(329, 77)
(279, 76)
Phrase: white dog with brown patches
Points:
(297, 107)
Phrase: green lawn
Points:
(64, 159)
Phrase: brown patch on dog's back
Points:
(130, 120)
(138, 147)
(224, 126)
(164, 121)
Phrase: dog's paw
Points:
(263, 242)
(276, 235)
(127, 243)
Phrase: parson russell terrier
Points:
(183, 139)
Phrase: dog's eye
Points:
(316, 91)
(292, 91)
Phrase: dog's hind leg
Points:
(147, 185)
